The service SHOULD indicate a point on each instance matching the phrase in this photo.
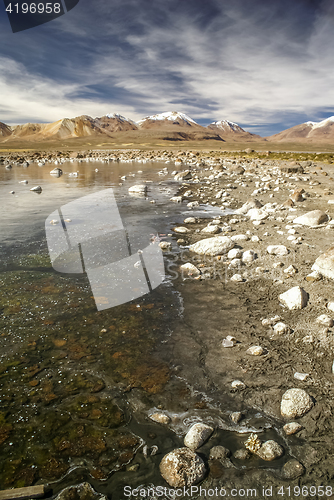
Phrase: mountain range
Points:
(169, 126)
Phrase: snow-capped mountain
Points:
(322, 131)
(168, 118)
(226, 126)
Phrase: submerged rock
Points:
(182, 467)
(138, 188)
(83, 491)
(197, 435)
(295, 403)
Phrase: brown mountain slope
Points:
(5, 131)
(307, 132)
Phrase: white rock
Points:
(292, 428)
(235, 253)
(189, 220)
(165, 245)
(197, 435)
(235, 263)
(270, 321)
(325, 320)
(138, 188)
(301, 376)
(330, 306)
(182, 176)
(227, 343)
(240, 237)
(237, 278)
(179, 199)
(181, 229)
(190, 269)
(213, 229)
(312, 219)
(291, 270)
(325, 264)
(295, 298)
(295, 403)
(257, 214)
(160, 418)
(255, 239)
(217, 245)
(182, 468)
(248, 256)
(238, 384)
(255, 350)
(281, 328)
(249, 205)
(277, 250)
(36, 189)
(192, 204)
(314, 276)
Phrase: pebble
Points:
(36, 189)
(325, 264)
(295, 298)
(182, 468)
(236, 416)
(255, 350)
(190, 269)
(314, 276)
(291, 270)
(165, 245)
(270, 450)
(235, 253)
(301, 376)
(181, 229)
(160, 418)
(237, 278)
(212, 246)
(227, 343)
(281, 328)
(190, 220)
(330, 306)
(219, 452)
(238, 384)
(240, 237)
(248, 256)
(242, 454)
(292, 428)
(295, 403)
(292, 469)
(277, 250)
(325, 320)
(212, 229)
(197, 435)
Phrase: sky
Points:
(265, 64)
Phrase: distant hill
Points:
(230, 131)
(322, 131)
(5, 131)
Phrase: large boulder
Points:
(312, 219)
(197, 435)
(295, 298)
(325, 264)
(217, 245)
(295, 403)
(182, 467)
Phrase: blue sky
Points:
(264, 64)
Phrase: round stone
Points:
(295, 403)
(292, 469)
(270, 450)
(182, 467)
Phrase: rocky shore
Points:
(253, 354)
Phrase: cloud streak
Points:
(264, 65)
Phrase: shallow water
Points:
(77, 385)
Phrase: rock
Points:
(240, 237)
(291, 270)
(292, 428)
(236, 416)
(248, 206)
(83, 491)
(248, 256)
(325, 264)
(295, 403)
(227, 343)
(277, 250)
(213, 229)
(238, 384)
(255, 350)
(181, 229)
(242, 454)
(330, 306)
(281, 328)
(217, 245)
(36, 189)
(312, 219)
(325, 320)
(270, 321)
(257, 214)
(57, 172)
(270, 450)
(292, 469)
(295, 298)
(235, 253)
(183, 176)
(237, 278)
(314, 276)
(235, 263)
(192, 204)
(219, 452)
(182, 467)
(301, 376)
(297, 195)
(178, 199)
(292, 168)
(160, 418)
(138, 188)
(190, 220)
(197, 435)
(189, 269)
(11, 192)
(165, 245)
